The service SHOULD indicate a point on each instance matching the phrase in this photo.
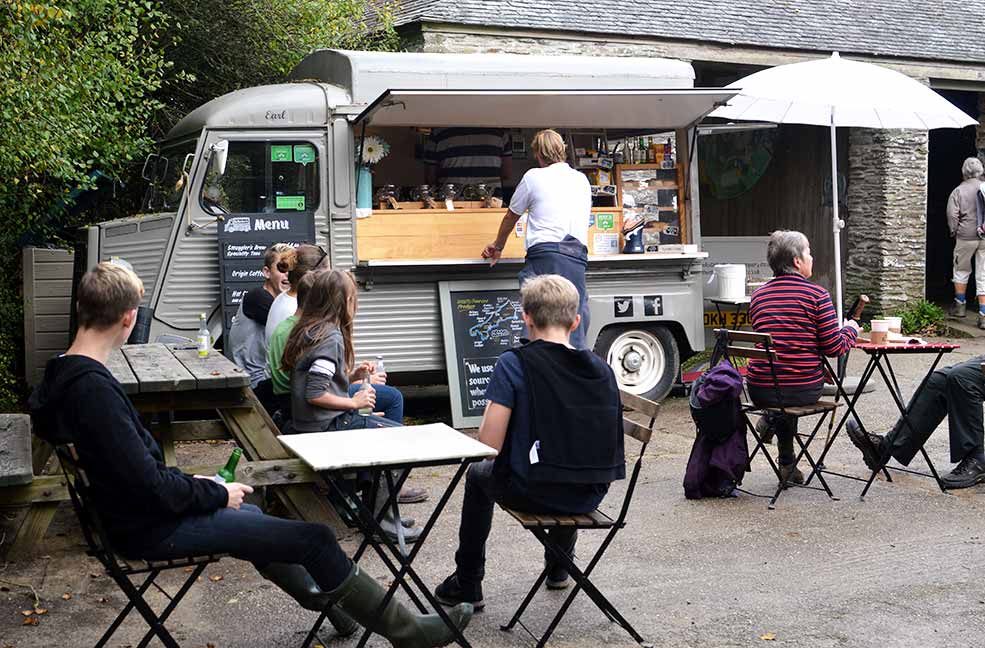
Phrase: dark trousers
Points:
(249, 534)
(956, 392)
(568, 258)
(784, 426)
(482, 491)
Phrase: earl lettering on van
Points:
(276, 116)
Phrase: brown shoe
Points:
(412, 495)
(791, 474)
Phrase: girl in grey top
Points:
(321, 360)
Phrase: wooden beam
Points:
(277, 472)
(191, 431)
(31, 532)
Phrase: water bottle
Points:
(366, 411)
(204, 338)
(380, 368)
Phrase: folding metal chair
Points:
(760, 349)
(121, 570)
(538, 525)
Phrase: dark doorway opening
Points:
(948, 149)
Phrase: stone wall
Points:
(887, 208)
(463, 43)
(980, 129)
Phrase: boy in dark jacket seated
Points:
(555, 416)
(154, 512)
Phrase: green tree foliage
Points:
(87, 85)
(225, 45)
(77, 79)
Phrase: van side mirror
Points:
(220, 151)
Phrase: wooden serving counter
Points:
(461, 233)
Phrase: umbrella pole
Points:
(837, 224)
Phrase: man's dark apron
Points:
(568, 258)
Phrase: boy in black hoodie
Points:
(151, 511)
(554, 414)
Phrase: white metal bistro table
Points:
(337, 455)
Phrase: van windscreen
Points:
(263, 177)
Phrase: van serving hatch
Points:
(587, 109)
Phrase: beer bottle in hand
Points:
(227, 474)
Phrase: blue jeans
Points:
(389, 400)
(568, 258)
(249, 534)
(483, 490)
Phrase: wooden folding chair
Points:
(121, 570)
(538, 525)
(758, 346)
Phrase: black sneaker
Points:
(869, 444)
(967, 473)
(451, 592)
(557, 577)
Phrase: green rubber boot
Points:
(360, 597)
(300, 586)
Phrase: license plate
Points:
(727, 319)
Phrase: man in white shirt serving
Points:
(558, 202)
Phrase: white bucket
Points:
(731, 280)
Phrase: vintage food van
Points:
(277, 163)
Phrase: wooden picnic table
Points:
(169, 382)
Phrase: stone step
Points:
(968, 325)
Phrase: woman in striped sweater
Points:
(800, 317)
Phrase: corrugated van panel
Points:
(343, 247)
(192, 283)
(142, 242)
(403, 324)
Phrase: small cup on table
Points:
(880, 331)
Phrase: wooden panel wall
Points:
(47, 302)
(788, 196)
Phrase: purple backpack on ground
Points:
(720, 452)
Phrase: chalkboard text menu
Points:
(480, 320)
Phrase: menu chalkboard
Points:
(480, 320)
(242, 242)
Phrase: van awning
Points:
(589, 109)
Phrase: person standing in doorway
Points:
(469, 156)
(966, 224)
(558, 202)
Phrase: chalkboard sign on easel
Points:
(480, 320)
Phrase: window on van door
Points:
(164, 192)
(263, 178)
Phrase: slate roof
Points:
(944, 30)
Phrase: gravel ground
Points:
(896, 570)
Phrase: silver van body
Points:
(174, 249)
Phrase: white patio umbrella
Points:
(839, 92)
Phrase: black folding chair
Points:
(539, 524)
(759, 348)
(121, 570)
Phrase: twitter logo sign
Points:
(622, 306)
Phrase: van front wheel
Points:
(645, 360)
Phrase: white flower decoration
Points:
(374, 149)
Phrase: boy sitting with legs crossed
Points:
(555, 415)
(154, 512)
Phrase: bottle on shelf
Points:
(204, 337)
(227, 474)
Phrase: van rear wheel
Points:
(645, 361)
